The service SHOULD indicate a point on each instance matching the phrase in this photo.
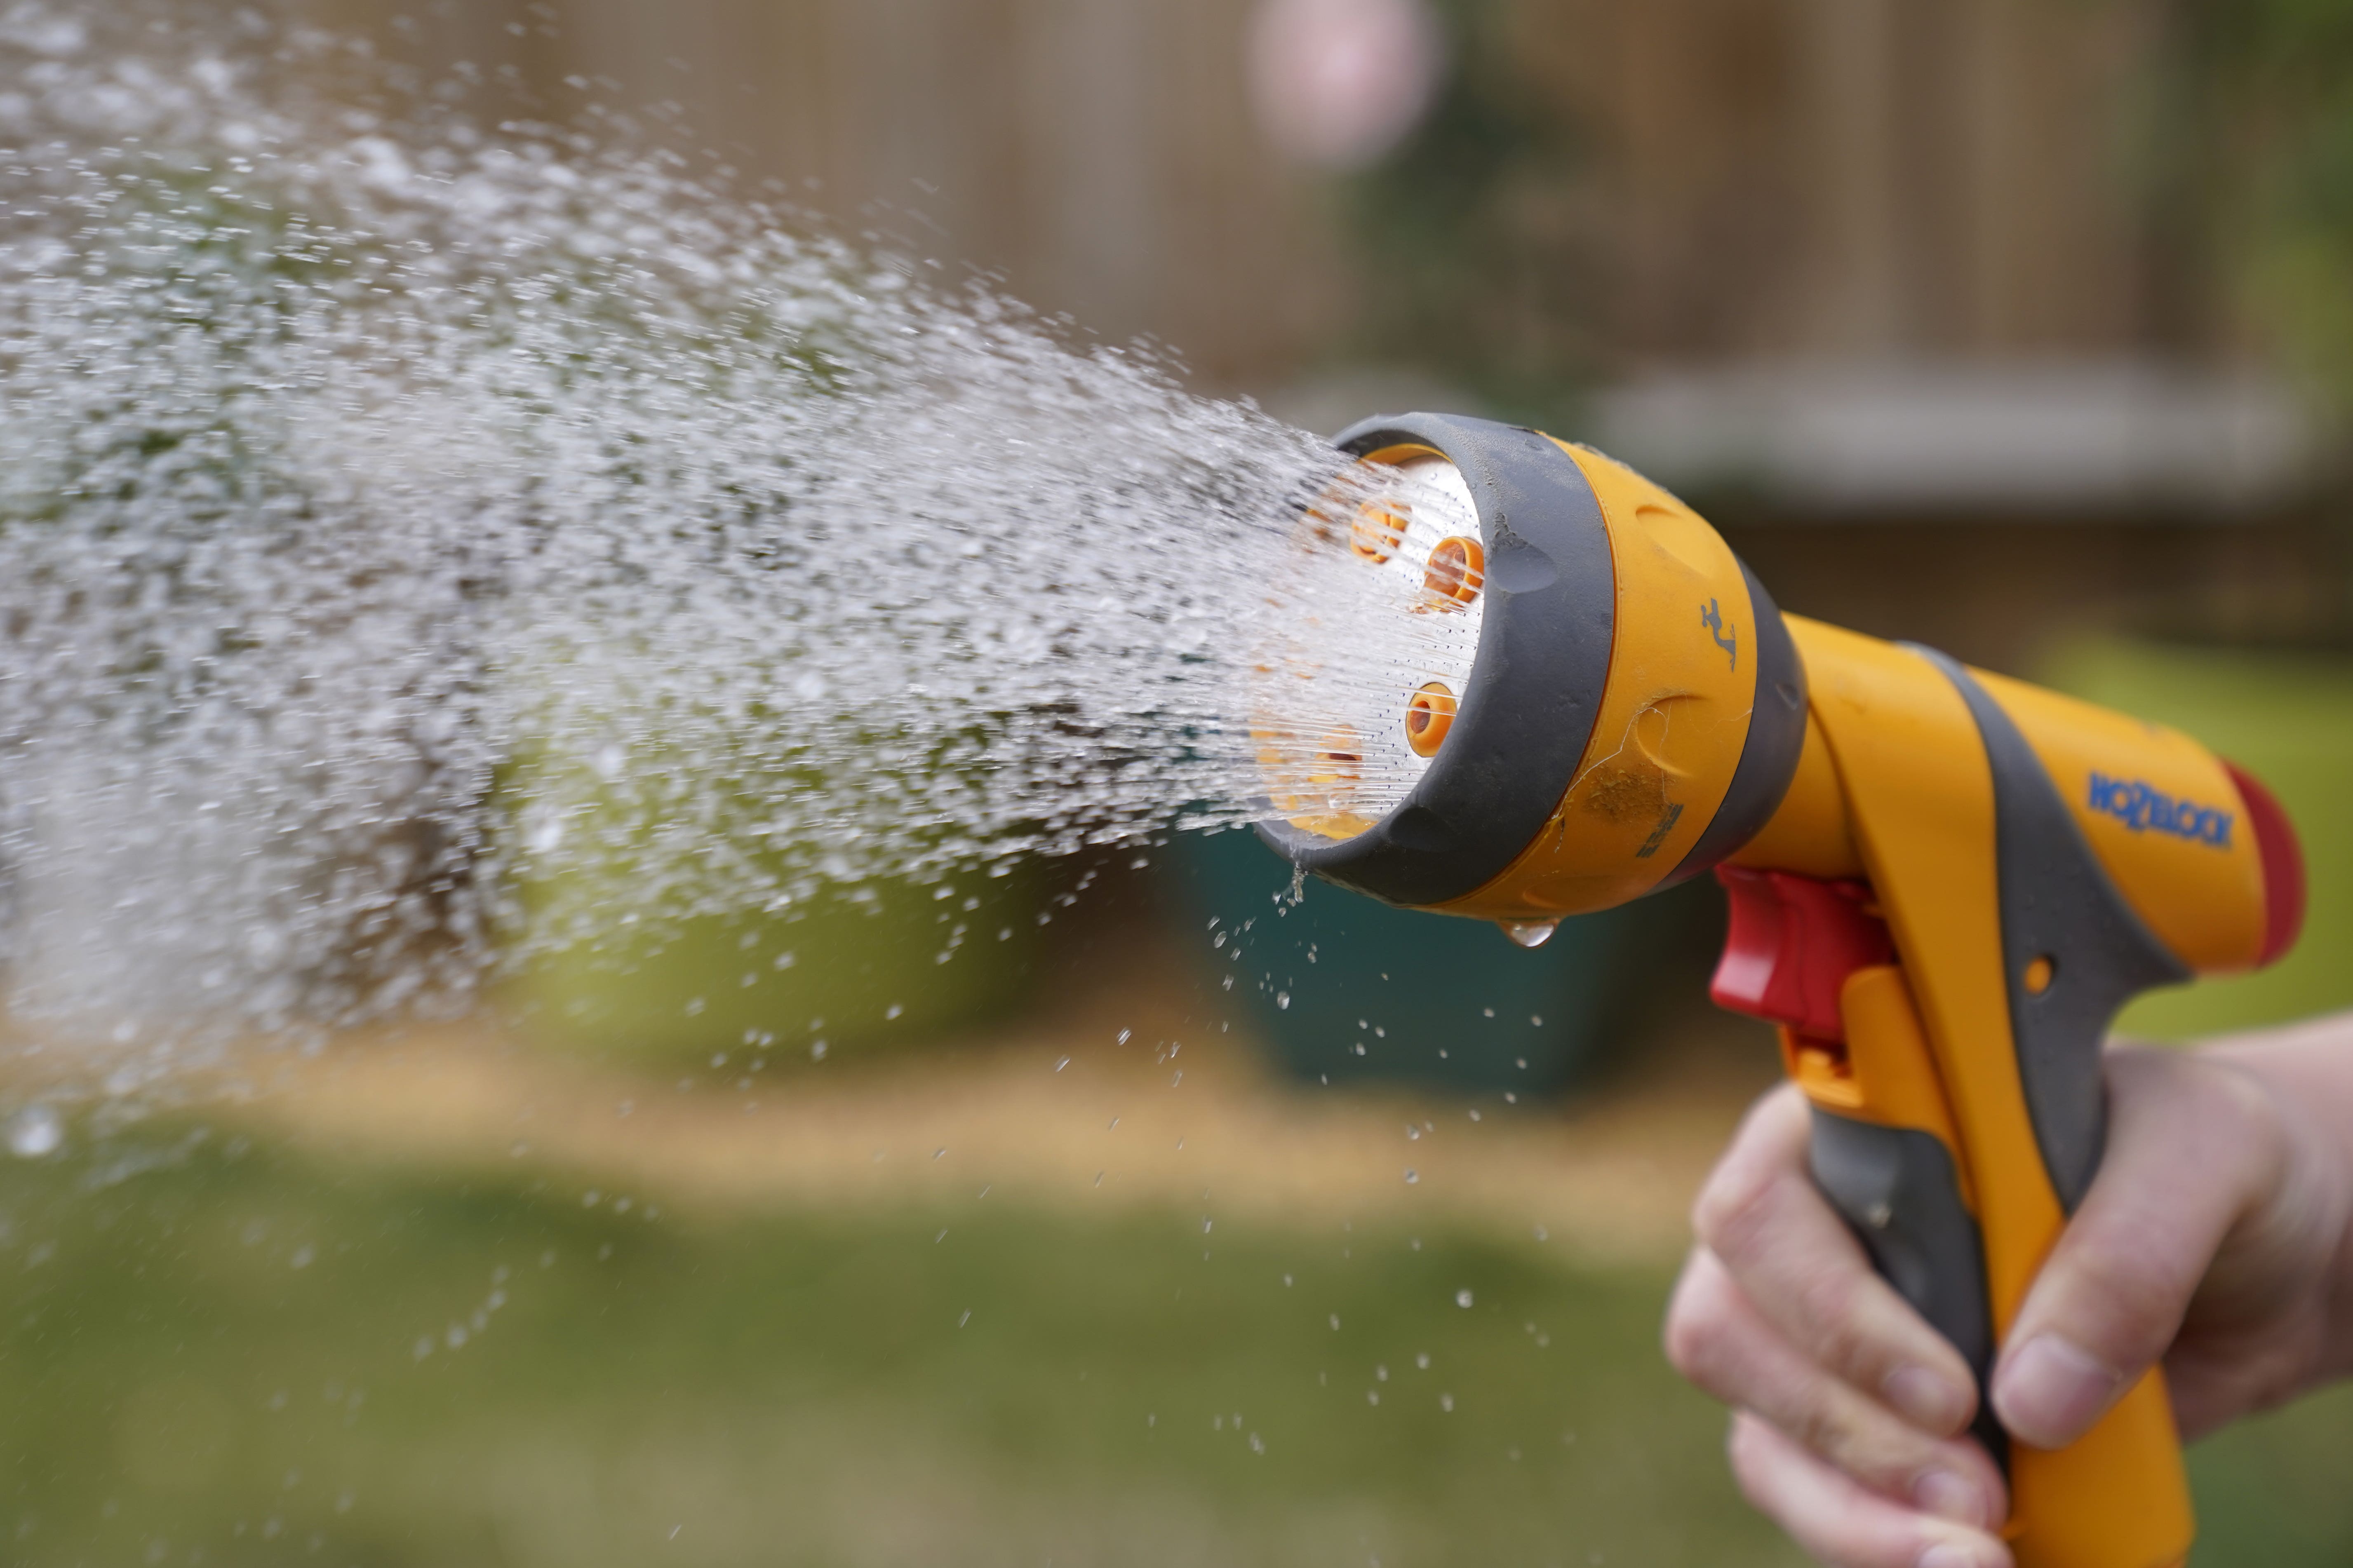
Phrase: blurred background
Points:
(1175, 1230)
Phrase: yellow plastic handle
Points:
(1919, 794)
(2117, 1498)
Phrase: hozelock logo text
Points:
(2145, 808)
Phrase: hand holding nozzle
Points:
(2214, 1240)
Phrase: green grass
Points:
(240, 1355)
(807, 1389)
(2288, 719)
(2271, 1491)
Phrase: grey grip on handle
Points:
(1897, 1189)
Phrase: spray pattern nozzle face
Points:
(1368, 651)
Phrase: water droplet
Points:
(1529, 933)
(35, 1132)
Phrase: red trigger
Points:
(1793, 941)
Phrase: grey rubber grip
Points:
(1898, 1192)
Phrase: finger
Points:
(2188, 1153)
(1721, 1343)
(1793, 1257)
(1838, 1522)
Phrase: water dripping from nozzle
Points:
(1529, 933)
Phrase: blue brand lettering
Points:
(2145, 808)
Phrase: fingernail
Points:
(2051, 1390)
(1926, 1399)
(1948, 1494)
(1951, 1554)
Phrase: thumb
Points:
(2188, 1154)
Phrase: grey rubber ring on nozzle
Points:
(1536, 686)
(1535, 683)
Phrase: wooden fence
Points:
(1757, 177)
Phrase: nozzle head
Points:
(1470, 672)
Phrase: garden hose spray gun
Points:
(1535, 685)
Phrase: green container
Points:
(856, 969)
(2286, 717)
(877, 963)
(1346, 988)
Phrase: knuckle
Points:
(1737, 1205)
(1741, 1191)
(2127, 1281)
(1839, 1332)
(1699, 1330)
(2115, 1264)
(1818, 1423)
(2244, 1114)
(2164, 1100)
(1692, 1335)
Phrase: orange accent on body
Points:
(1376, 530)
(1456, 573)
(1429, 718)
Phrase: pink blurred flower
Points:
(1338, 83)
